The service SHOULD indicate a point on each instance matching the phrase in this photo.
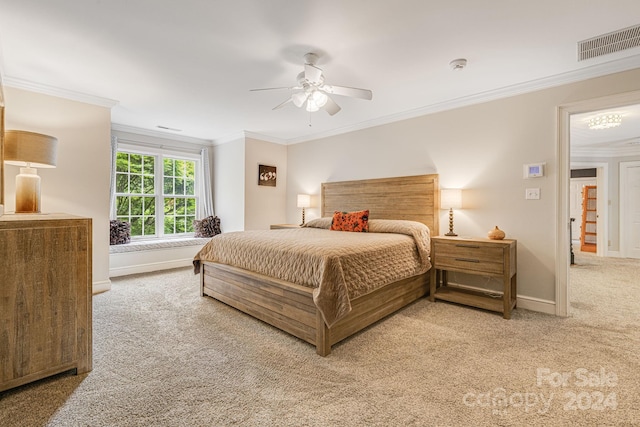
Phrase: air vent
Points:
(609, 43)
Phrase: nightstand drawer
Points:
(470, 264)
(469, 250)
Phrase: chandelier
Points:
(605, 121)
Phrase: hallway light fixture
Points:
(605, 121)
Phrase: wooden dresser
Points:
(479, 256)
(45, 296)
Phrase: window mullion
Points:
(159, 193)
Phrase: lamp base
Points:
(28, 191)
(302, 218)
(451, 233)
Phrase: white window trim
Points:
(161, 152)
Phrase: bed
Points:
(293, 307)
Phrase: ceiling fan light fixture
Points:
(605, 121)
(312, 93)
(311, 107)
(319, 98)
(315, 101)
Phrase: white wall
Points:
(228, 184)
(79, 185)
(264, 205)
(480, 148)
(239, 201)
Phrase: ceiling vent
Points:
(609, 43)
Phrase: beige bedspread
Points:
(339, 265)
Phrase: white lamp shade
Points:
(304, 200)
(451, 198)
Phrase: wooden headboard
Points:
(414, 198)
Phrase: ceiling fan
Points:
(313, 94)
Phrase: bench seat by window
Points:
(146, 245)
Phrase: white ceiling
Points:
(190, 64)
(623, 139)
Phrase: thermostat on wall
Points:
(534, 170)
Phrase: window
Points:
(156, 193)
(179, 179)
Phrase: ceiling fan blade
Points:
(282, 104)
(299, 98)
(353, 92)
(312, 73)
(331, 107)
(273, 88)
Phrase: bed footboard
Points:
(290, 307)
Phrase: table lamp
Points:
(304, 201)
(29, 150)
(451, 199)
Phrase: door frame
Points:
(563, 222)
(622, 212)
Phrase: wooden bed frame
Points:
(290, 307)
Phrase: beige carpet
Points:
(163, 356)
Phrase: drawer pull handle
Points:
(467, 260)
(467, 246)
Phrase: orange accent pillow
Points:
(350, 221)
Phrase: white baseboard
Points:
(98, 287)
(536, 304)
(614, 254)
(149, 267)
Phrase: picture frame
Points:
(267, 175)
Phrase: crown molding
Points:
(265, 138)
(159, 134)
(59, 92)
(597, 70)
(236, 136)
(242, 135)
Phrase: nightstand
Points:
(480, 256)
(282, 226)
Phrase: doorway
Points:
(577, 190)
(563, 187)
(630, 209)
(598, 176)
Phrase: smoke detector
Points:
(458, 64)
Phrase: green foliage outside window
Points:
(179, 183)
(136, 194)
(135, 188)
